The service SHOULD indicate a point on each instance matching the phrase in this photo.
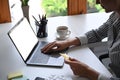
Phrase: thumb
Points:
(70, 60)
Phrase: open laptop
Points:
(29, 47)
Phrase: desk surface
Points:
(10, 60)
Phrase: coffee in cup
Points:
(63, 32)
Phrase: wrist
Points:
(92, 74)
(73, 42)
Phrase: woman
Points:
(109, 29)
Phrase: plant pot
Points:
(25, 10)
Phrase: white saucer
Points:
(62, 38)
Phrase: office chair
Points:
(101, 51)
(103, 56)
(114, 70)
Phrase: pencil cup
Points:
(42, 29)
(41, 26)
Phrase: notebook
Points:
(29, 47)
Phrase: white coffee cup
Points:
(63, 32)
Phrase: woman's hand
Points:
(60, 45)
(82, 69)
(55, 46)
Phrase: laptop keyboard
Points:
(39, 57)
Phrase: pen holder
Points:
(41, 29)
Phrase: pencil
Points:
(39, 17)
(36, 20)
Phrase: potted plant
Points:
(25, 8)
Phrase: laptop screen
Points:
(23, 38)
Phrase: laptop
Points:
(29, 47)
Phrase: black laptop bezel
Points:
(14, 43)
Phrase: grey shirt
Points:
(111, 30)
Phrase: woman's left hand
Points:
(81, 69)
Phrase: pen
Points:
(36, 20)
(39, 17)
(12, 5)
(45, 16)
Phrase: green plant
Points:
(99, 8)
(24, 2)
(59, 7)
(55, 7)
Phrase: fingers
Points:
(72, 65)
(69, 61)
(49, 47)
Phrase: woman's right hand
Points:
(55, 46)
(60, 45)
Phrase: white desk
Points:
(10, 60)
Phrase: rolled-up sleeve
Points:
(104, 77)
(83, 39)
